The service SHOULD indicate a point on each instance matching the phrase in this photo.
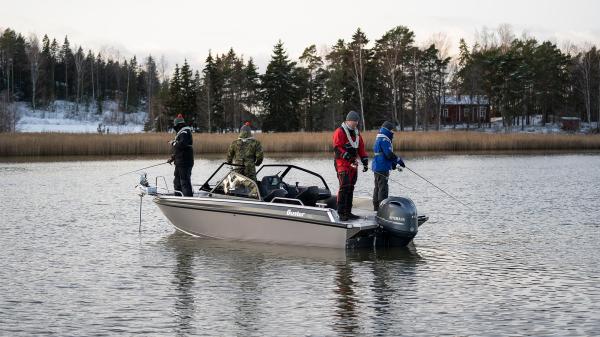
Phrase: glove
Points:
(347, 156)
(258, 162)
(365, 162)
(170, 160)
(401, 162)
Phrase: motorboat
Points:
(287, 204)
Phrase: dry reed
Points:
(62, 144)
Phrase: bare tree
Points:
(506, 36)
(357, 52)
(79, 59)
(416, 61)
(584, 67)
(442, 43)
(92, 63)
(8, 113)
(163, 66)
(33, 54)
(486, 38)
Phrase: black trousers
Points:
(347, 179)
(381, 190)
(183, 180)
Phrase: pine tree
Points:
(175, 105)
(279, 95)
(252, 86)
(66, 61)
(188, 91)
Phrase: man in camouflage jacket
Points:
(245, 151)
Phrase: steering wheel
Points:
(284, 186)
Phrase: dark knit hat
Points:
(178, 120)
(353, 116)
(388, 125)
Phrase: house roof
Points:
(465, 100)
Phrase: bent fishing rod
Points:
(446, 193)
(392, 180)
(143, 168)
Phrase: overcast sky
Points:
(182, 29)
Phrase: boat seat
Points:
(277, 193)
(268, 184)
(309, 195)
(324, 194)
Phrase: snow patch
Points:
(64, 116)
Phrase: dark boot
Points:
(349, 200)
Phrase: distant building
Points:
(461, 109)
(570, 123)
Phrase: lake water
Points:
(525, 262)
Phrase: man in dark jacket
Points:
(348, 147)
(183, 156)
(383, 162)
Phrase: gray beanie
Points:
(245, 131)
(388, 125)
(353, 116)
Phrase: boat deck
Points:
(363, 207)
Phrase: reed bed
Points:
(63, 144)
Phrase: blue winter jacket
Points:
(385, 159)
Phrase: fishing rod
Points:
(143, 168)
(446, 193)
(392, 180)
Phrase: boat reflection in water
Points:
(250, 288)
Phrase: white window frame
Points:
(482, 111)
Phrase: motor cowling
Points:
(398, 217)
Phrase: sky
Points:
(180, 29)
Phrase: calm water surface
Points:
(527, 262)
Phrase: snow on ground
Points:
(62, 116)
(534, 127)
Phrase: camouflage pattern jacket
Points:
(245, 151)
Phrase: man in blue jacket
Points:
(384, 161)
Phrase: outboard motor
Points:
(398, 218)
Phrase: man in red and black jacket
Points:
(349, 148)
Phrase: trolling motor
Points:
(143, 187)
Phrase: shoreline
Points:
(292, 155)
(53, 145)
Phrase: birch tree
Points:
(584, 68)
(79, 59)
(33, 54)
(359, 56)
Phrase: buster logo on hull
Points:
(295, 213)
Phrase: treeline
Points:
(390, 78)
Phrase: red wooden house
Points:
(463, 109)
